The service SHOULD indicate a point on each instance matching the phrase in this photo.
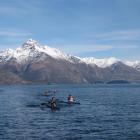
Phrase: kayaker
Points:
(53, 103)
(70, 99)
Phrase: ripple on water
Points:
(106, 113)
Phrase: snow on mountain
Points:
(30, 50)
(134, 64)
(31, 46)
(106, 62)
(6, 55)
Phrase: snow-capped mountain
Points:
(32, 62)
(32, 50)
(107, 62)
(103, 63)
(134, 64)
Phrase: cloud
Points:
(11, 38)
(118, 35)
(18, 8)
(10, 32)
(11, 10)
(126, 46)
(72, 49)
(93, 48)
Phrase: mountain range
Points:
(34, 63)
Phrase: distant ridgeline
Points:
(33, 63)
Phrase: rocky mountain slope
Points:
(34, 63)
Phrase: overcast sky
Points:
(98, 28)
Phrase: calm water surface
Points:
(106, 112)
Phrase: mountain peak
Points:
(31, 50)
(30, 43)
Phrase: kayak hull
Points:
(49, 106)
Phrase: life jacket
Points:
(70, 99)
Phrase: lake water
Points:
(106, 112)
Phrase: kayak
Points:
(70, 103)
(59, 104)
(47, 104)
(62, 102)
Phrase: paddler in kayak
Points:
(53, 103)
(70, 99)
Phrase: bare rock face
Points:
(55, 71)
(8, 77)
(33, 63)
(120, 71)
